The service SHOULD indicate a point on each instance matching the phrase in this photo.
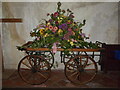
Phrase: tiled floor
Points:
(58, 80)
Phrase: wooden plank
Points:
(60, 49)
(11, 20)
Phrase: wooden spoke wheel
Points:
(34, 69)
(49, 57)
(66, 58)
(46, 54)
(80, 69)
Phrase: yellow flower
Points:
(41, 31)
(60, 31)
(63, 16)
(71, 43)
(59, 18)
(79, 32)
(69, 21)
(78, 36)
(48, 24)
(68, 40)
(46, 35)
(59, 21)
(73, 24)
(46, 28)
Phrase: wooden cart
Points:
(80, 67)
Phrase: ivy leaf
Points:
(82, 24)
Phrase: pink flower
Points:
(73, 40)
(54, 48)
(71, 16)
(83, 35)
(55, 28)
(77, 29)
(66, 36)
(38, 38)
(50, 27)
(55, 14)
(69, 22)
(69, 29)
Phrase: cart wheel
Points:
(34, 69)
(49, 57)
(66, 58)
(80, 69)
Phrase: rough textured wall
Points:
(0, 48)
(102, 24)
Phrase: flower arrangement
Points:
(60, 31)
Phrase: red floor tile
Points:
(59, 80)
